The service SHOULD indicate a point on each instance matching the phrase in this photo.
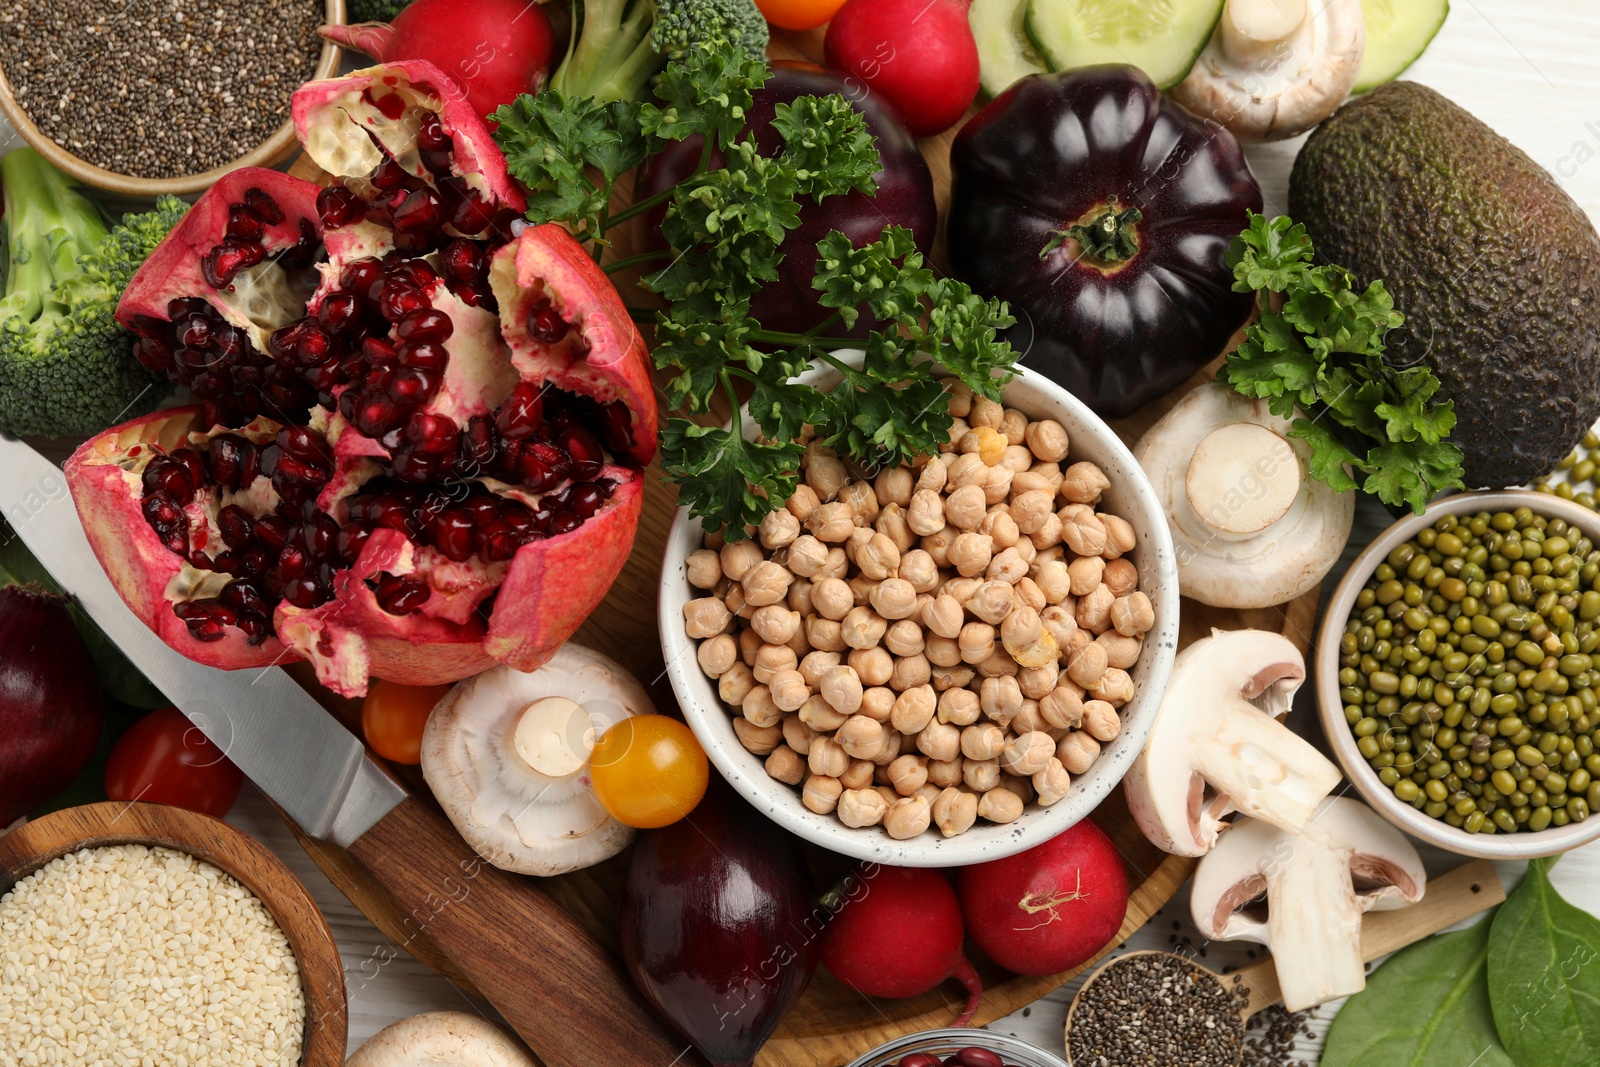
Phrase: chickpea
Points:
(960, 588)
(821, 793)
(823, 471)
(1094, 611)
(1087, 665)
(703, 569)
(1032, 479)
(807, 556)
(893, 485)
(1026, 552)
(1000, 526)
(749, 644)
(997, 486)
(820, 715)
(982, 741)
(717, 654)
(991, 601)
(736, 603)
(1083, 533)
(1028, 718)
(789, 690)
(954, 811)
(1021, 626)
(877, 702)
(802, 503)
(893, 742)
(1121, 652)
(1083, 483)
(771, 660)
(1023, 787)
(828, 757)
(1133, 614)
(979, 775)
(976, 641)
(894, 598)
(1085, 573)
(908, 774)
(1026, 754)
(965, 508)
(942, 651)
(739, 557)
(862, 627)
(970, 553)
(999, 665)
(1051, 783)
(832, 598)
(945, 773)
(1077, 751)
(816, 665)
(1000, 805)
(1121, 577)
(779, 528)
(907, 817)
(1030, 595)
(759, 708)
(1016, 458)
(798, 643)
(986, 412)
(1054, 579)
(958, 396)
(706, 617)
(959, 706)
(918, 568)
(765, 584)
(939, 740)
(1030, 510)
(892, 524)
(841, 688)
(862, 500)
(1101, 720)
(951, 678)
(1007, 566)
(1000, 698)
(1014, 425)
(1038, 682)
(858, 775)
(775, 624)
(1049, 534)
(1062, 707)
(1047, 439)
(1116, 687)
(785, 764)
(904, 638)
(984, 442)
(735, 683)
(797, 735)
(860, 736)
(833, 522)
(760, 740)
(937, 546)
(1120, 539)
(926, 513)
(1059, 620)
(861, 807)
(964, 472)
(910, 672)
(837, 565)
(874, 665)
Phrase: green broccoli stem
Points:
(47, 226)
(613, 57)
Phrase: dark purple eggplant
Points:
(1102, 211)
(718, 927)
(904, 196)
(51, 709)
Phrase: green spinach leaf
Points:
(1429, 1005)
(1544, 975)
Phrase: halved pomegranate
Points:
(458, 479)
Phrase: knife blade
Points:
(272, 729)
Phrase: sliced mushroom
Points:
(1315, 886)
(507, 756)
(1276, 68)
(1218, 746)
(1251, 527)
(441, 1039)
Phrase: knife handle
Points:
(561, 991)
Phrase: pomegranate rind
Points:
(103, 477)
(333, 119)
(547, 262)
(175, 265)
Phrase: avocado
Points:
(1495, 268)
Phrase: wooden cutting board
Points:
(831, 1024)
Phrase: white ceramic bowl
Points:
(1130, 496)
(1330, 708)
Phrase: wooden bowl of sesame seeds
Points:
(193, 77)
(221, 913)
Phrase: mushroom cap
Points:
(1385, 870)
(1251, 527)
(1269, 87)
(441, 1039)
(514, 816)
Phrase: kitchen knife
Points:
(561, 991)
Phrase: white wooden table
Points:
(1531, 70)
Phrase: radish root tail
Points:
(969, 979)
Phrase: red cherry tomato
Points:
(798, 14)
(394, 715)
(165, 759)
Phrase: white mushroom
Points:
(507, 756)
(1251, 527)
(1276, 68)
(1315, 887)
(1217, 745)
(441, 1039)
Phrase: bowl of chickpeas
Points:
(940, 663)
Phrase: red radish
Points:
(899, 935)
(919, 54)
(496, 49)
(1050, 908)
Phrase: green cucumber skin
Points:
(1384, 79)
(1058, 64)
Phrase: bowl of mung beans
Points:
(1458, 674)
(145, 98)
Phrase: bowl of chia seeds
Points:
(152, 97)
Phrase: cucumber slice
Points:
(1004, 51)
(1397, 33)
(1161, 37)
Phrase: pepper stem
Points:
(1107, 237)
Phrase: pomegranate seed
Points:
(425, 324)
(339, 312)
(473, 215)
(256, 628)
(305, 444)
(532, 470)
(262, 204)
(587, 457)
(238, 531)
(272, 531)
(617, 426)
(253, 563)
(433, 435)
(544, 325)
(417, 271)
(313, 347)
(412, 388)
(378, 352)
(292, 562)
(375, 415)
(540, 517)
(244, 224)
(195, 332)
(299, 255)
(474, 294)
(361, 275)
(400, 299)
(586, 498)
(401, 596)
(392, 514)
(522, 413)
(235, 461)
(338, 206)
(224, 262)
(171, 480)
(352, 539)
(477, 447)
(319, 536)
(420, 212)
(437, 162)
(496, 542)
(301, 592)
(154, 353)
(464, 260)
(431, 135)
(564, 522)
(245, 596)
(207, 630)
(225, 562)
(424, 355)
(297, 482)
(453, 534)
(389, 175)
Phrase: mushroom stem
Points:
(1253, 31)
(1242, 478)
(1314, 921)
(1264, 769)
(554, 736)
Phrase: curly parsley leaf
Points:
(1317, 347)
(723, 477)
(827, 143)
(551, 141)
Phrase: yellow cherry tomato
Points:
(648, 771)
(393, 716)
(798, 14)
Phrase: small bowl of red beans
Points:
(958, 1048)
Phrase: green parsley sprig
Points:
(724, 226)
(1315, 355)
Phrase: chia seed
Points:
(1270, 1036)
(158, 88)
(1156, 1009)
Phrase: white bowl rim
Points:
(1523, 845)
(984, 841)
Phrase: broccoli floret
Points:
(375, 10)
(619, 45)
(66, 366)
